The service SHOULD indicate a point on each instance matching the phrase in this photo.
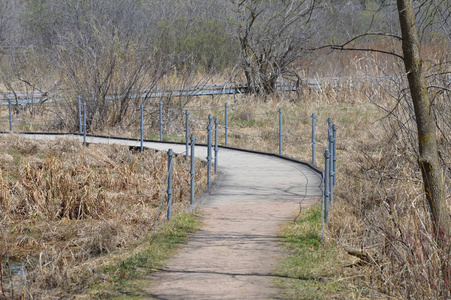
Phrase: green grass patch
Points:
(311, 271)
(126, 279)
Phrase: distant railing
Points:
(23, 98)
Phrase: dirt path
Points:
(232, 257)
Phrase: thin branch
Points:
(439, 87)
(368, 34)
(373, 34)
(343, 48)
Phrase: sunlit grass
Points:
(126, 279)
(311, 270)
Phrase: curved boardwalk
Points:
(234, 253)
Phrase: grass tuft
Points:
(126, 277)
(311, 270)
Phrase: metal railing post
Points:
(187, 133)
(280, 131)
(334, 134)
(161, 120)
(84, 123)
(79, 115)
(192, 171)
(313, 138)
(216, 145)
(329, 123)
(226, 128)
(209, 150)
(10, 116)
(326, 185)
(331, 173)
(142, 127)
(170, 156)
(323, 207)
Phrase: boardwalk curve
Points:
(235, 252)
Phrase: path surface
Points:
(235, 252)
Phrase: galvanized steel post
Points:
(323, 210)
(280, 131)
(84, 123)
(79, 115)
(216, 145)
(192, 171)
(187, 133)
(334, 128)
(142, 127)
(313, 138)
(329, 123)
(331, 173)
(170, 156)
(161, 120)
(209, 150)
(226, 116)
(10, 117)
(326, 185)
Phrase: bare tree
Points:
(109, 72)
(271, 35)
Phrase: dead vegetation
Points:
(62, 205)
(379, 211)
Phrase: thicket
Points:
(381, 209)
(46, 45)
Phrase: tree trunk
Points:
(428, 158)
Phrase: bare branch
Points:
(343, 48)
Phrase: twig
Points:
(364, 256)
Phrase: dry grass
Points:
(62, 205)
(379, 203)
(381, 207)
(382, 210)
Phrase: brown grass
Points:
(62, 204)
(379, 203)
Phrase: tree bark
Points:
(428, 155)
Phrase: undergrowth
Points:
(127, 278)
(311, 270)
(64, 206)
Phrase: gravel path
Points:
(235, 252)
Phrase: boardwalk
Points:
(235, 252)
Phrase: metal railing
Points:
(34, 97)
(284, 135)
(330, 153)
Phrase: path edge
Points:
(316, 169)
